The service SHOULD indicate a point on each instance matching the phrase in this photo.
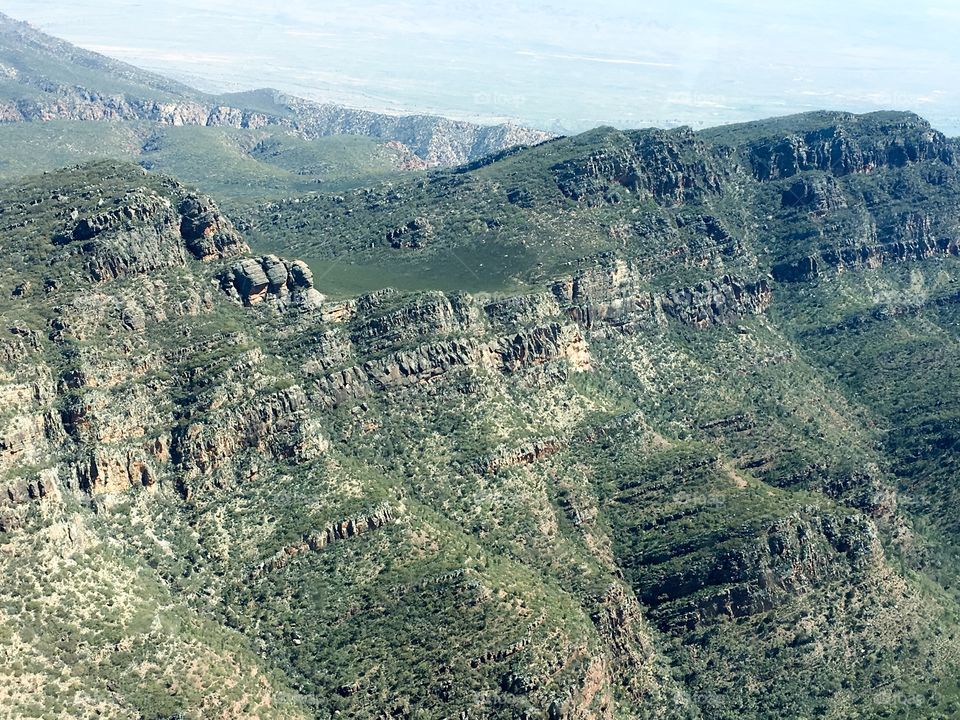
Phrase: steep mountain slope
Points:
(42, 78)
(680, 204)
(851, 219)
(698, 465)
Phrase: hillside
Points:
(686, 449)
(683, 205)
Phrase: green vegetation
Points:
(587, 489)
(232, 164)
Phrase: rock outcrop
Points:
(717, 302)
(850, 144)
(208, 234)
(415, 234)
(288, 283)
(670, 167)
(527, 454)
(145, 231)
(317, 540)
(612, 293)
(508, 354)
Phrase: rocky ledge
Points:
(144, 231)
(611, 292)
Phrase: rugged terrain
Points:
(687, 451)
(61, 104)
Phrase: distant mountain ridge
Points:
(43, 78)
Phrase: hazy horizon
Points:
(559, 66)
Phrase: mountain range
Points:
(629, 424)
(44, 79)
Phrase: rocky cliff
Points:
(668, 166)
(846, 143)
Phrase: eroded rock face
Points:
(717, 302)
(522, 310)
(709, 237)
(613, 293)
(145, 231)
(208, 234)
(461, 333)
(429, 315)
(815, 194)
(109, 472)
(911, 238)
(426, 362)
(669, 166)
(137, 207)
(269, 278)
(539, 345)
(792, 555)
(18, 495)
(850, 145)
(277, 425)
(437, 141)
(620, 622)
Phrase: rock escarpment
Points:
(670, 167)
(850, 144)
(71, 103)
(612, 293)
(816, 194)
(434, 141)
(438, 141)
